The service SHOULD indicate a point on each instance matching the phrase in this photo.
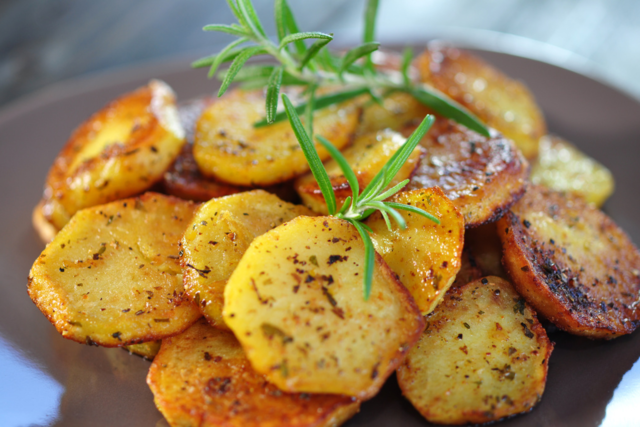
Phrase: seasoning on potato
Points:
(111, 277)
(203, 378)
(483, 356)
(296, 305)
(216, 239)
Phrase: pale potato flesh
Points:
(572, 263)
(111, 277)
(367, 156)
(218, 236)
(397, 111)
(228, 147)
(483, 356)
(120, 151)
(562, 167)
(425, 256)
(203, 378)
(499, 101)
(296, 304)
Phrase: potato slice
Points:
(425, 256)
(203, 378)
(368, 154)
(469, 271)
(483, 356)
(148, 350)
(228, 147)
(295, 303)
(572, 263)
(45, 229)
(482, 176)
(485, 248)
(502, 103)
(218, 236)
(118, 152)
(396, 112)
(111, 277)
(562, 167)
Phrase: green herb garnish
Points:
(313, 66)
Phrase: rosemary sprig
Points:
(314, 66)
(360, 205)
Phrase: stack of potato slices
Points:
(250, 303)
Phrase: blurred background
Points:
(45, 41)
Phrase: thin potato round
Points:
(367, 156)
(572, 263)
(502, 103)
(120, 151)
(562, 167)
(483, 356)
(425, 256)
(482, 176)
(396, 112)
(218, 236)
(203, 378)
(111, 277)
(295, 302)
(228, 147)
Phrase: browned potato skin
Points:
(203, 378)
(139, 163)
(145, 302)
(425, 256)
(438, 387)
(482, 176)
(502, 103)
(228, 147)
(583, 274)
(367, 156)
(485, 248)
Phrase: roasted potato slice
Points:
(425, 256)
(469, 271)
(485, 248)
(562, 167)
(203, 378)
(111, 277)
(120, 151)
(295, 302)
(218, 236)
(483, 356)
(228, 147)
(482, 176)
(368, 154)
(502, 103)
(45, 229)
(148, 350)
(396, 112)
(572, 263)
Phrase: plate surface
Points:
(47, 380)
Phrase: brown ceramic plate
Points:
(47, 380)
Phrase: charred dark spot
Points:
(336, 258)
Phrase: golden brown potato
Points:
(218, 236)
(367, 156)
(398, 111)
(485, 248)
(483, 356)
(120, 151)
(148, 350)
(482, 176)
(111, 277)
(502, 103)
(469, 271)
(562, 167)
(296, 304)
(425, 256)
(572, 263)
(228, 147)
(203, 378)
